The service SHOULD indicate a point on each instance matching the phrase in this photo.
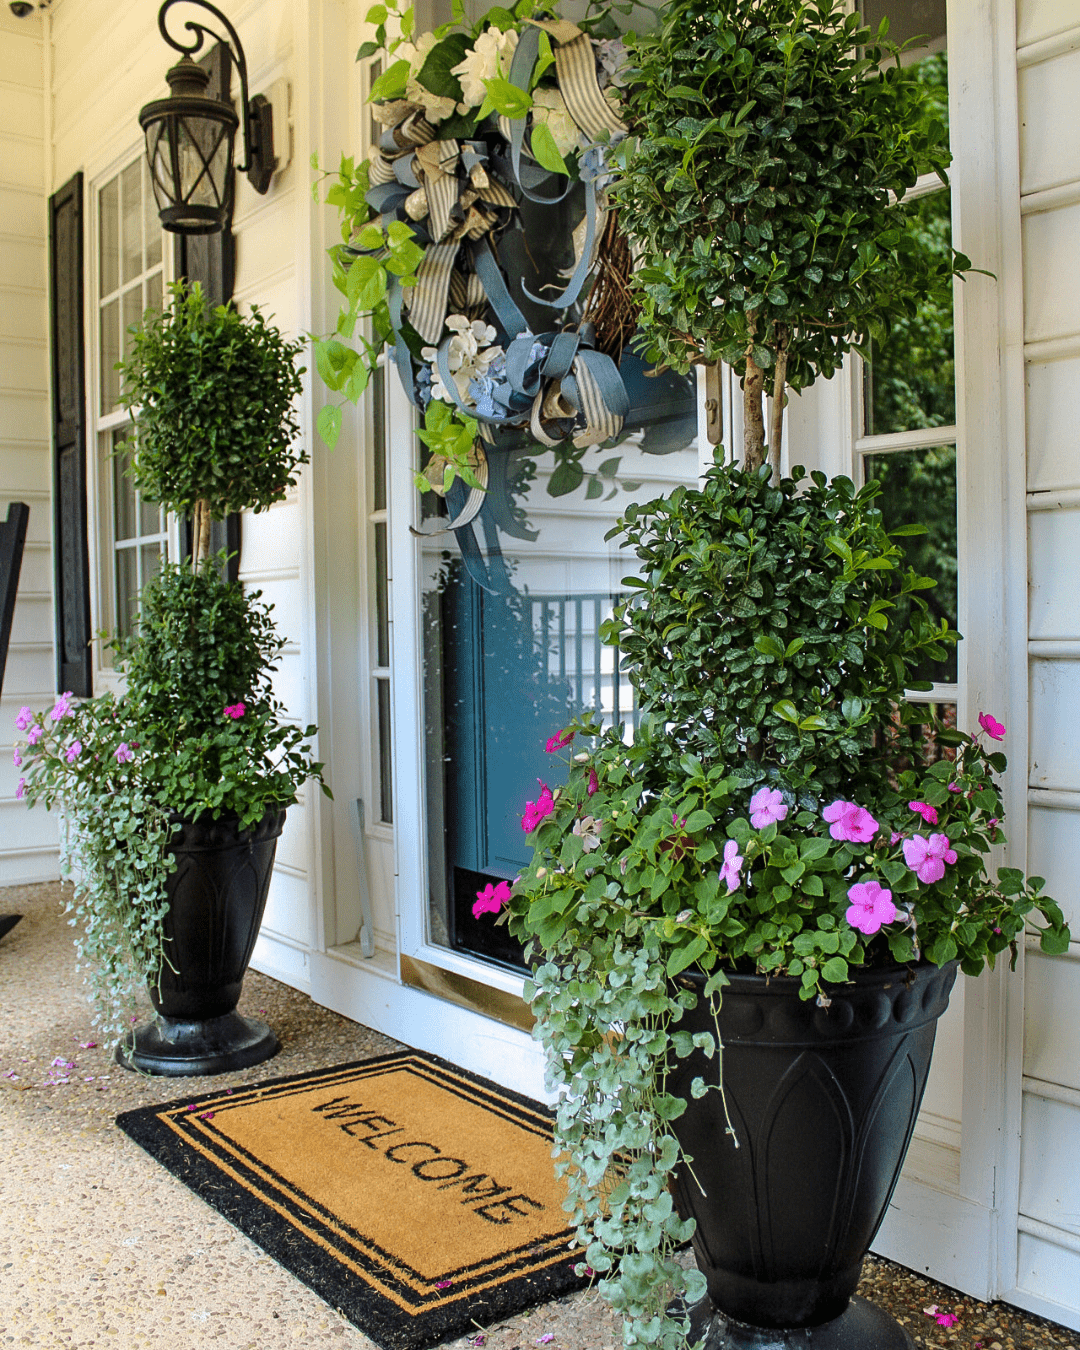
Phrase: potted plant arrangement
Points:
(173, 793)
(745, 923)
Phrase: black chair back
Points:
(12, 539)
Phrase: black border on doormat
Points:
(374, 1314)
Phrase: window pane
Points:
(153, 291)
(386, 783)
(127, 590)
(151, 562)
(131, 220)
(910, 381)
(110, 354)
(150, 518)
(378, 436)
(919, 487)
(382, 610)
(151, 222)
(921, 19)
(109, 236)
(133, 308)
(123, 493)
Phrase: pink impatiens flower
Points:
(123, 753)
(927, 857)
(491, 899)
(556, 742)
(871, 906)
(62, 707)
(35, 734)
(594, 783)
(767, 808)
(537, 810)
(73, 752)
(992, 727)
(925, 810)
(235, 710)
(23, 718)
(850, 822)
(729, 871)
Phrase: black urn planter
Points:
(823, 1102)
(216, 895)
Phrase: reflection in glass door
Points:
(511, 641)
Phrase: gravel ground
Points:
(99, 1246)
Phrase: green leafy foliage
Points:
(213, 394)
(764, 627)
(770, 143)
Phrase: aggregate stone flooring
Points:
(99, 1246)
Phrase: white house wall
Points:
(27, 838)
(1048, 60)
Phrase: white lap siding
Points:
(28, 839)
(1048, 1238)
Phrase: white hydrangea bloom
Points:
(469, 356)
(491, 56)
(435, 107)
(549, 107)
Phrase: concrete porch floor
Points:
(100, 1246)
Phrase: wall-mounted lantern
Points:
(189, 137)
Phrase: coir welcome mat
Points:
(416, 1198)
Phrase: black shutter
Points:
(210, 259)
(72, 603)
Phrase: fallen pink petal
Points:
(946, 1319)
(443, 1284)
(546, 1338)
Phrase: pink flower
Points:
(946, 1319)
(206, 1115)
(443, 1284)
(73, 752)
(594, 783)
(536, 811)
(16, 757)
(954, 787)
(871, 906)
(927, 857)
(491, 899)
(927, 812)
(557, 741)
(895, 838)
(123, 754)
(20, 791)
(851, 822)
(767, 808)
(235, 710)
(733, 860)
(992, 727)
(63, 706)
(676, 821)
(34, 734)
(23, 718)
